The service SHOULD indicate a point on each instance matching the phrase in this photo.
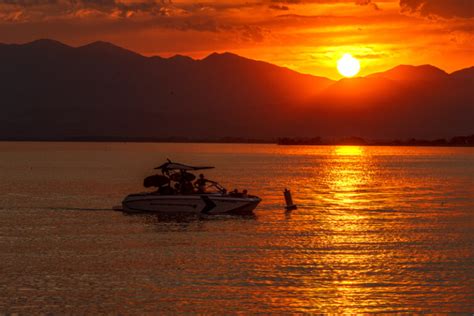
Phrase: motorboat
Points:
(176, 194)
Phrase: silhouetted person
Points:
(245, 194)
(200, 184)
(166, 190)
(187, 188)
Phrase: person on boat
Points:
(200, 184)
(187, 188)
(166, 190)
(245, 193)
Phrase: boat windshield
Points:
(215, 187)
(173, 166)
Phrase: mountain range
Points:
(50, 90)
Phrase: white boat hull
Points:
(197, 204)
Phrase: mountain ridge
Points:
(51, 90)
(215, 55)
(410, 72)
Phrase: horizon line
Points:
(224, 53)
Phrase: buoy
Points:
(289, 201)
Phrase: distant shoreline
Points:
(458, 141)
(140, 140)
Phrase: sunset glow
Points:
(306, 36)
(236, 157)
(348, 66)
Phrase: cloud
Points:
(368, 2)
(439, 8)
(287, 1)
(279, 7)
(37, 10)
(47, 9)
(282, 4)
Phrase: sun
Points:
(348, 66)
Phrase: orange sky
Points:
(305, 35)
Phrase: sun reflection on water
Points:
(349, 151)
(346, 175)
(346, 231)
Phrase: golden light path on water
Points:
(348, 243)
(342, 178)
(350, 172)
(378, 229)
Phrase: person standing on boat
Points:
(200, 184)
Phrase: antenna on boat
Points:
(290, 206)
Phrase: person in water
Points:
(200, 184)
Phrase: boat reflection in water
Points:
(185, 219)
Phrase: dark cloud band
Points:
(439, 8)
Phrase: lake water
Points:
(378, 229)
